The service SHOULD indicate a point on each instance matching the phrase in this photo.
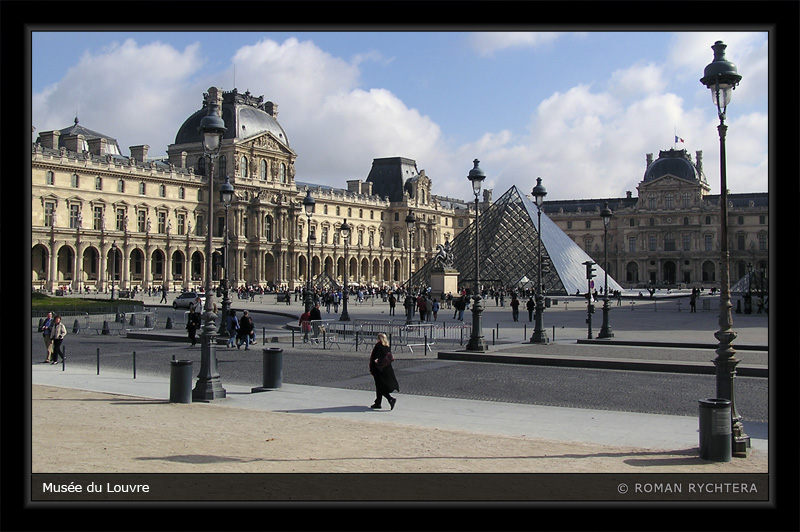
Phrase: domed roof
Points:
(675, 163)
(244, 116)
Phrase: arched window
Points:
(242, 166)
(201, 166)
(120, 186)
(651, 201)
(282, 173)
(50, 178)
(263, 170)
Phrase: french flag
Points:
(678, 139)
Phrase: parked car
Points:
(186, 299)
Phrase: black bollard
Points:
(169, 323)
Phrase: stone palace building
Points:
(97, 213)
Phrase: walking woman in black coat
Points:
(380, 366)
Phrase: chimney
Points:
(649, 159)
(139, 152)
(49, 139)
(97, 146)
(700, 162)
(354, 186)
(74, 143)
(628, 194)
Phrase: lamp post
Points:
(209, 386)
(605, 330)
(476, 340)
(411, 221)
(721, 77)
(308, 205)
(344, 231)
(539, 335)
(113, 267)
(225, 196)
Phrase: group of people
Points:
(240, 331)
(53, 333)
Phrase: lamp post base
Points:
(539, 335)
(208, 386)
(476, 341)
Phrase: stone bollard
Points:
(169, 323)
(75, 326)
(105, 327)
(133, 319)
(148, 322)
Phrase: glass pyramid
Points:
(509, 242)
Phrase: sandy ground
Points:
(76, 431)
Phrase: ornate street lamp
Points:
(113, 267)
(411, 221)
(344, 231)
(209, 386)
(605, 330)
(539, 335)
(308, 206)
(721, 77)
(476, 340)
(226, 197)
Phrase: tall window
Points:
(162, 191)
(181, 193)
(632, 244)
(708, 243)
(268, 228)
(120, 219)
(762, 241)
(75, 181)
(282, 173)
(651, 242)
(49, 211)
(685, 200)
(668, 202)
(242, 166)
(324, 236)
(262, 172)
(142, 188)
(97, 218)
(120, 186)
(141, 218)
(687, 242)
(651, 201)
(50, 178)
(74, 213)
(98, 183)
(669, 242)
(181, 223)
(162, 222)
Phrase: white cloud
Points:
(487, 43)
(137, 94)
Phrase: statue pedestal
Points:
(444, 280)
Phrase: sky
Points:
(579, 109)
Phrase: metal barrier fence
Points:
(107, 323)
(361, 334)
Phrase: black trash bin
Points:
(715, 430)
(272, 367)
(180, 381)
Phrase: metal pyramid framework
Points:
(509, 242)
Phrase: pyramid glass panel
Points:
(509, 242)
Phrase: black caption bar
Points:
(50, 487)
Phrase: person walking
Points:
(515, 307)
(315, 316)
(693, 301)
(380, 367)
(435, 309)
(305, 325)
(57, 333)
(233, 327)
(45, 329)
(192, 323)
(392, 304)
(163, 294)
(245, 327)
(531, 306)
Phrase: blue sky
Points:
(579, 109)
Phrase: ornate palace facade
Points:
(98, 214)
